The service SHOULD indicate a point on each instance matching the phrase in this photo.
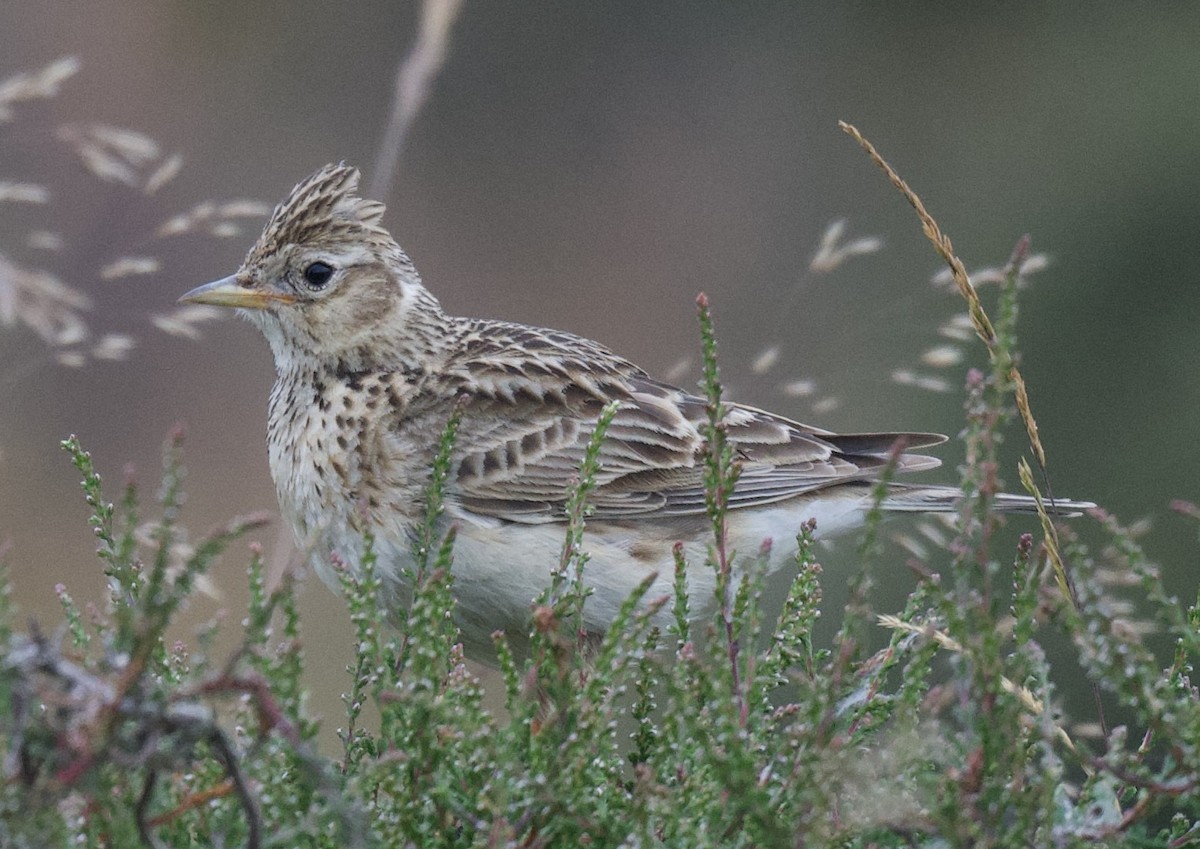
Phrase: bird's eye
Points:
(318, 274)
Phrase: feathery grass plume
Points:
(942, 356)
(927, 382)
(832, 251)
(119, 155)
(676, 372)
(183, 321)
(168, 169)
(35, 85)
(43, 303)
(128, 266)
(825, 404)
(940, 242)
(55, 309)
(112, 346)
(45, 240)
(799, 388)
(957, 327)
(1121, 789)
(220, 220)
(994, 274)
(1006, 375)
(766, 360)
(23, 193)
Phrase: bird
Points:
(370, 368)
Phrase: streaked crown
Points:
(324, 208)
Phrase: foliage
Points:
(726, 733)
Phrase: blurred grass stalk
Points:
(726, 734)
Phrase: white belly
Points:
(499, 569)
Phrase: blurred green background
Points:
(592, 166)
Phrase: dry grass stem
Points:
(831, 252)
(1031, 428)
(1031, 702)
(243, 208)
(215, 219)
(285, 559)
(1049, 533)
(413, 80)
(983, 328)
(940, 241)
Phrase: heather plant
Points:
(941, 728)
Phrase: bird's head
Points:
(326, 281)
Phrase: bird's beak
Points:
(230, 292)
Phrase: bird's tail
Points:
(914, 498)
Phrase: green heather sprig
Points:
(720, 478)
(951, 728)
(568, 591)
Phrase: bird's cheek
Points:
(371, 310)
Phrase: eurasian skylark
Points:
(370, 368)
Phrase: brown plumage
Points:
(370, 368)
